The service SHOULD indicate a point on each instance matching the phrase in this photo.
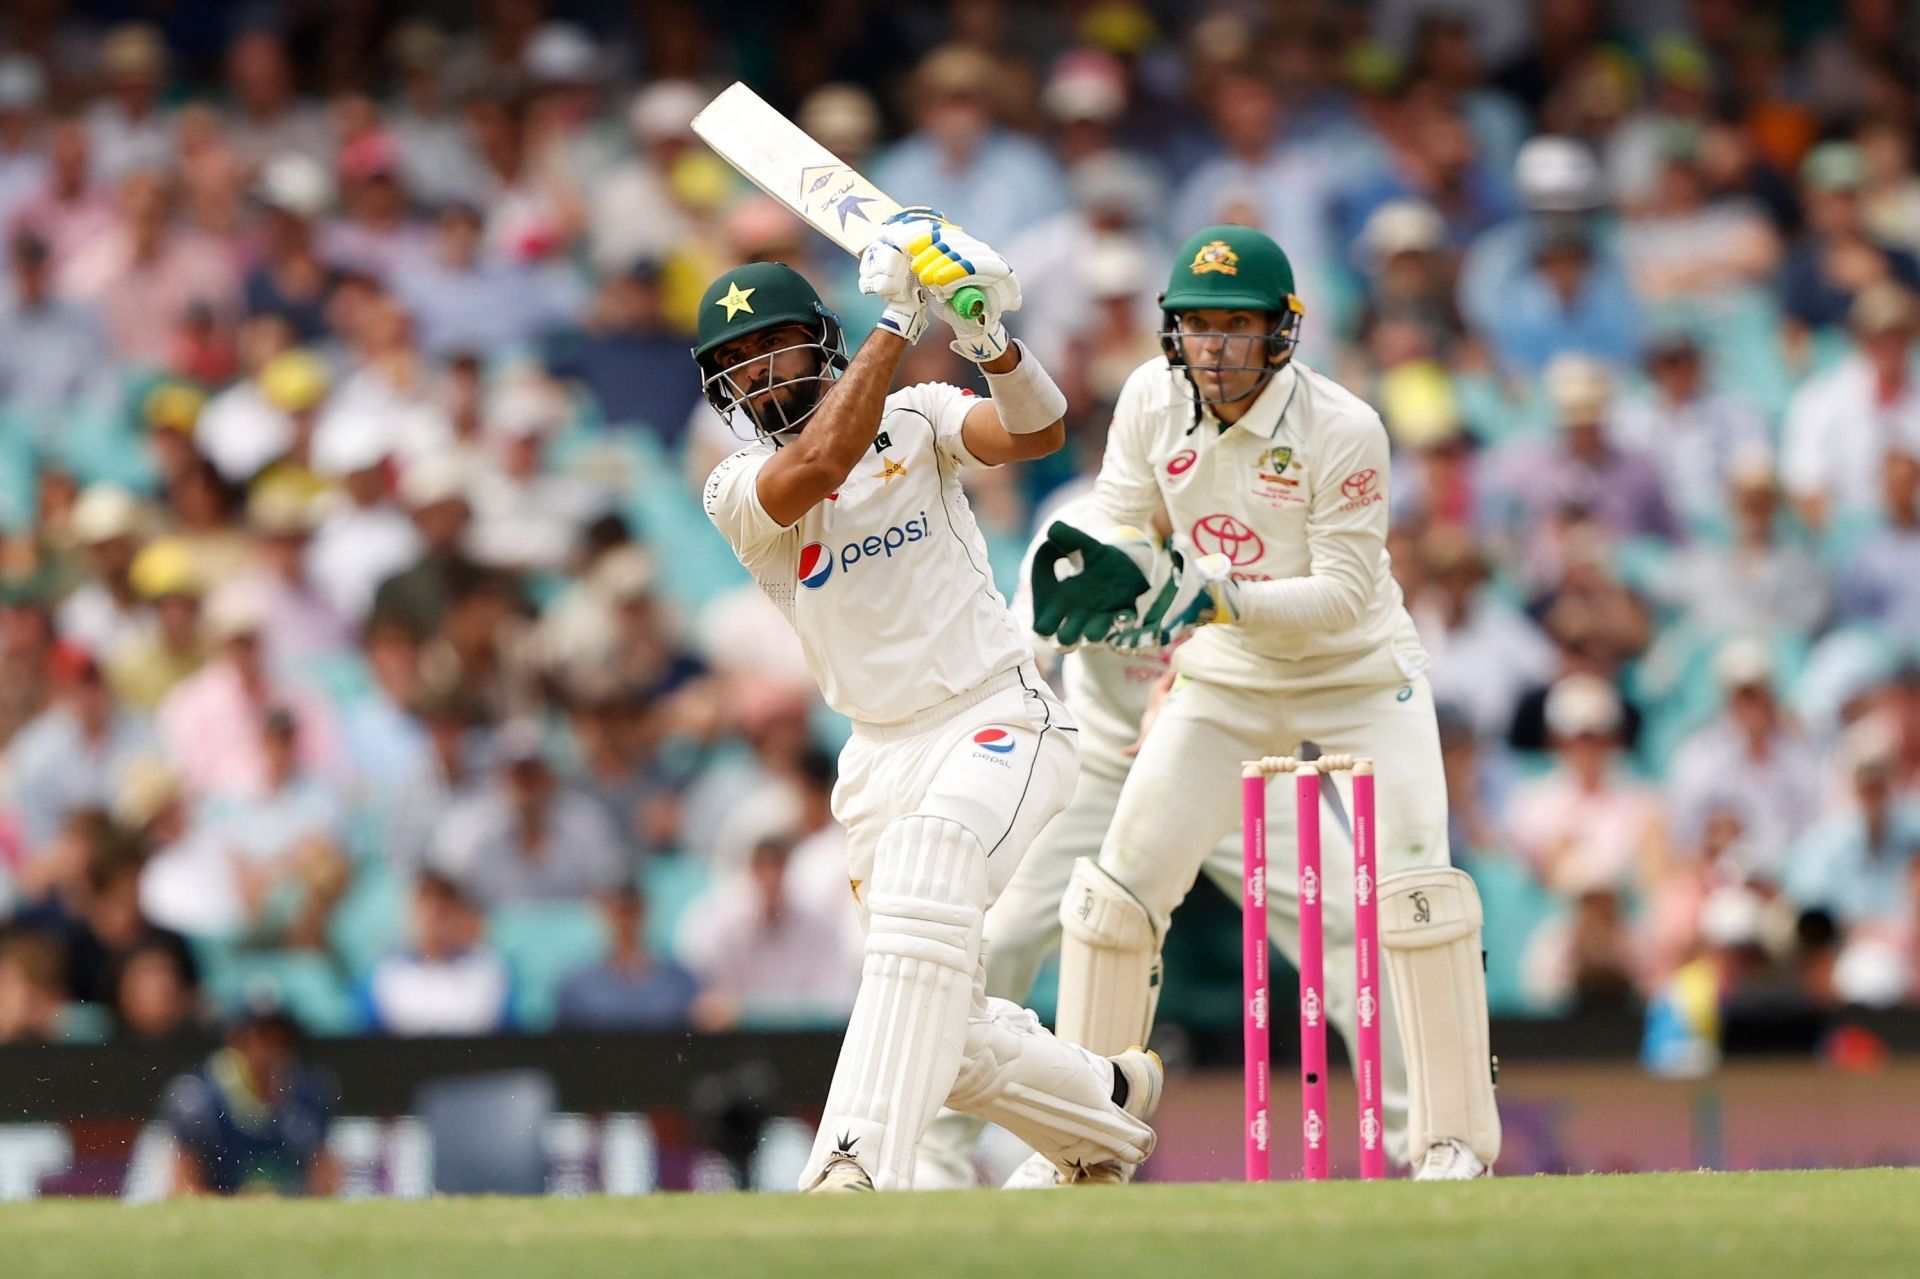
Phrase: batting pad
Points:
(1109, 964)
(1430, 932)
(908, 1033)
(1055, 1096)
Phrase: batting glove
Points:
(887, 273)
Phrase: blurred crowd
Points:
(361, 638)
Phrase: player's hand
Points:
(887, 273)
(1085, 606)
(946, 260)
(1188, 591)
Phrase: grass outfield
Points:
(1775, 1225)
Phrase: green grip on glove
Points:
(1085, 606)
(970, 302)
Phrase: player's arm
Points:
(800, 475)
(989, 435)
(1346, 535)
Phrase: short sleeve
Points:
(946, 407)
(732, 501)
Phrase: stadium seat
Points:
(309, 985)
(544, 942)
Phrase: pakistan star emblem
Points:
(736, 300)
(888, 469)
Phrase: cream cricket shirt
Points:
(1295, 495)
(886, 582)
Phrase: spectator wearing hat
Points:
(449, 981)
(1837, 256)
(1409, 313)
(365, 538)
(1891, 195)
(391, 380)
(1585, 824)
(253, 1117)
(128, 129)
(1583, 467)
(377, 229)
(1854, 862)
(1751, 764)
(106, 611)
(54, 362)
(634, 213)
(210, 723)
(203, 511)
(430, 148)
(435, 495)
(71, 755)
(143, 670)
(527, 517)
(1552, 279)
(958, 156)
(1690, 242)
(301, 623)
(1841, 423)
(1091, 263)
(291, 278)
(1760, 580)
(526, 835)
(1690, 430)
(257, 420)
(844, 119)
(23, 161)
(631, 988)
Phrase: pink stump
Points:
(1257, 1034)
(1366, 959)
(1313, 1002)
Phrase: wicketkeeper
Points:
(1277, 588)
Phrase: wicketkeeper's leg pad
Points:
(907, 1037)
(1109, 964)
(1430, 932)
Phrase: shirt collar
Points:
(1270, 406)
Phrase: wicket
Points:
(1366, 952)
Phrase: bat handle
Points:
(970, 302)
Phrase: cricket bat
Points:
(778, 157)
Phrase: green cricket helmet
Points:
(1234, 268)
(750, 299)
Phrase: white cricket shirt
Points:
(1295, 495)
(886, 582)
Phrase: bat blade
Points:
(782, 160)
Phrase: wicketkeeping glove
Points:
(1085, 606)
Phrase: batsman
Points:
(1291, 634)
(847, 510)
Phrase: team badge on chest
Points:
(1276, 478)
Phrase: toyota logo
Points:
(1225, 535)
(1360, 484)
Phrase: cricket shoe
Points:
(1146, 1077)
(842, 1175)
(1450, 1161)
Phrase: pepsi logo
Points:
(997, 740)
(816, 565)
(1182, 462)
